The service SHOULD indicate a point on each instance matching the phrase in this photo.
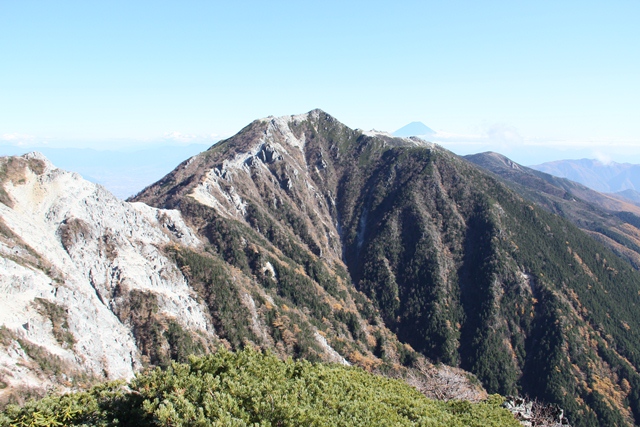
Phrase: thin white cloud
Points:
(17, 139)
(503, 134)
(508, 140)
(593, 143)
(179, 136)
(507, 136)
(457, 137)
(186, 138)
(496, 133)
(602, 157)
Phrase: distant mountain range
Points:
(622, 179)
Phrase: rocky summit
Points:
(321, 242)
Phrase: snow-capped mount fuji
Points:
(414, 129)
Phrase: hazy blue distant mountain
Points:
(631, 195)
(123, 173)
(606, 177)
(414, 129)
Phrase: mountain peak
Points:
(491, 158)
(414, 129)
(608, 177)
(312, 114)
(36, 155)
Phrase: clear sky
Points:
(548, 78)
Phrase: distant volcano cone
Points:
(414, 129)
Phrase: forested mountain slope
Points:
(611, 220)
(350, 235)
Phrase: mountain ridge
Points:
(611, 220)
(322, 242)
(441, 249)
(70, 252)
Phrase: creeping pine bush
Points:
(250, 388)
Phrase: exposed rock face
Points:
(93, 287)
(533, 413)
(70, 253)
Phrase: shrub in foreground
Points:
(249, 388)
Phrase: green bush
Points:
(252, 388)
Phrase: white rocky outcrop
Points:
(278, 143)
(70, 244)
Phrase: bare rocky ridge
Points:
(70, 252)
(533, 413)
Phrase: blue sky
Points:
(534, 80)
